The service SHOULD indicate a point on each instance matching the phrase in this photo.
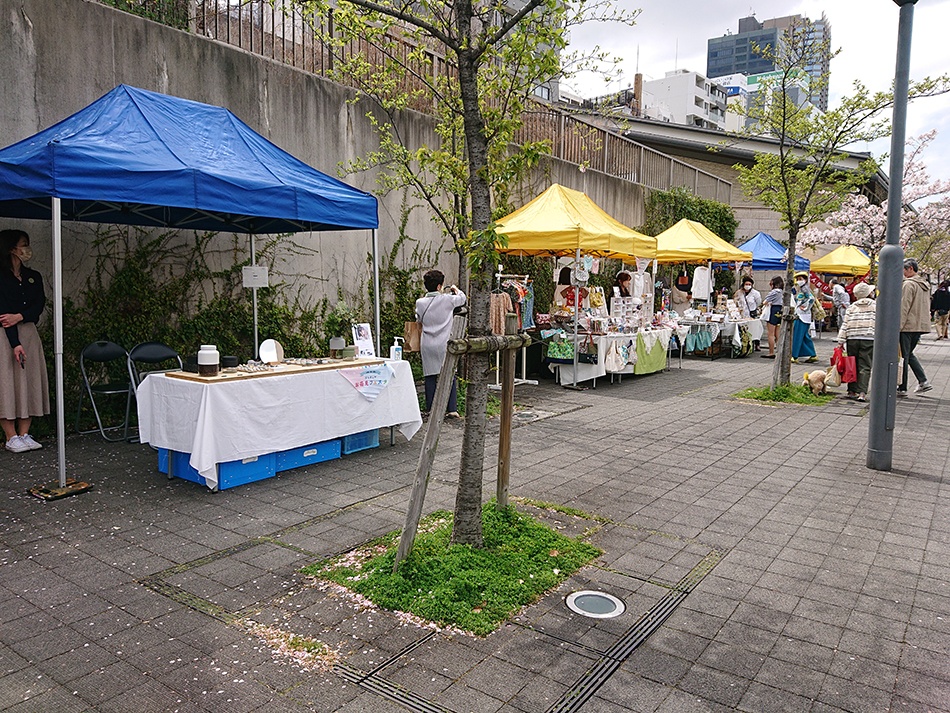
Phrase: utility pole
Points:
(890, 274)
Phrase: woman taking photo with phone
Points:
(24, 386)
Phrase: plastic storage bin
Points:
(305, 455)
(230, 474)
(360, 441)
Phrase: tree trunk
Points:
(468, 500)
(782, 371)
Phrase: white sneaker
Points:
(922, 387)
(28, 440)
(16, 445)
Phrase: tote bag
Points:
(412, 337)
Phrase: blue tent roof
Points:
(143, 158)
(769, 254)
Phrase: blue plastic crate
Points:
(360, 441)
(305, 455)
(230, 474)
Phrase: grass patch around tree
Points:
(790, 394)
(459, 586)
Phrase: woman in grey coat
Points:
(434, 313)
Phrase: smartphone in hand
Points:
(22, 359)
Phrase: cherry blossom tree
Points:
(923, 229)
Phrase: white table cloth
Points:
(586, 372)
(233, 420)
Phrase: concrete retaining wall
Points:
(63, 54)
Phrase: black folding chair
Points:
(152, 354)
(100, 379)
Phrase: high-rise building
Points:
(733, 54)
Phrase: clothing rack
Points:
(500, 277)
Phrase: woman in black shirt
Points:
(24, 385)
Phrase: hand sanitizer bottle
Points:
(395, 351)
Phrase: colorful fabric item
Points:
(500, 305)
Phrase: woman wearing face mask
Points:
(748, 298)
(803, 349)
(24, 386)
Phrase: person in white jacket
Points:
(434, 312)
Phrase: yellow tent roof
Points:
(562, 221)
(689, 241)
(846, 260)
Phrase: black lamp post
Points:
(890, 273)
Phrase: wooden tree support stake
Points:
(508, 343)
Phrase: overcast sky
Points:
(672, 34)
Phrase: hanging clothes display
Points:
(702, 283)
(527, 311)
(499, 306)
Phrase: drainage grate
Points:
(387, 690)
(588, 684)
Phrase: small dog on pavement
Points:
(815, 381)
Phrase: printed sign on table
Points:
(363, 339)
(369, 380)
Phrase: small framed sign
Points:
(363, 339)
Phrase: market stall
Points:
(209, 422)
(564, 222)
(702, 326)
(127, 159)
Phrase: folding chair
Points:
(98, 382)
(153, 353)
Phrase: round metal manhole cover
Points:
(597, 605)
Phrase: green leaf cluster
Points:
(666, 208)
(787, 393)
(474, 589)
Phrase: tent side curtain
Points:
(142, 158)
(561, 221)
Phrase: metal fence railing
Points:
(279, 30)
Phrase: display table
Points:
(651, 348)
(711, 338)
(243, 419)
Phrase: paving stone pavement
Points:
(763, 567)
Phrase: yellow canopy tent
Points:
(689, 241)
(845, 260)
(562, 221)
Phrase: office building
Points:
(733, 53)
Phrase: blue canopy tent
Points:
(137, 157)
(769, 254)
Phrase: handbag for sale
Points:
(561, 351)
(613, 359)
(543, 320)
(587, 352)
(412, 337)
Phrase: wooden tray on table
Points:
(278, 370)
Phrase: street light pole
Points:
(890, 274)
